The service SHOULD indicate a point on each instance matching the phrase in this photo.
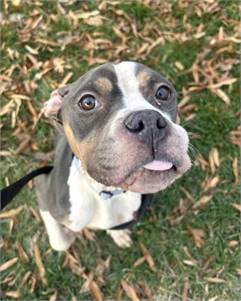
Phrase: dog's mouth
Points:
(157, 165)
(152, 170)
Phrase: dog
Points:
(118, 142)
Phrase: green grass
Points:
(211, 127)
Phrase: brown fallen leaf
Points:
(4, 153)
(210, 183)
(95, 290)
(185, 290)
(215, 280)
(6, 109)
(235, 169)
(8, 264)
(139, 261)
(225, 82)
(39, 263)
(9, 278)
(198, 235)
(213, 159)
(237, 206)
(34, 283)
(202, 162)
(11, 213)
(190, 263)
(130, 291)
(25, 279)
(148, 257)
(179, 65)
(238, 271)
(233, 243)
(13, 294)
(235, 136)
(21, 252)
(221, 94)
(202, 202)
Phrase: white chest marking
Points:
(88, 209)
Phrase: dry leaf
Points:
(13, 294)
(130, 291)
(235, 136)
(214, 159)
(148, 258)
(198, 235)
(39, 264)
(215, 280)
(189, 262)
(220, 93)
(25, 279)
(233, 243)
(8, 264)
(139, 261)
(202, 202)
(179, 66)
(210, 183)
(95, 290)
(235, 170)
(185, 290)
(225, 82)
(237, 206)
(21, 252)
(11, 213)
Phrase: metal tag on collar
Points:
(109, 194)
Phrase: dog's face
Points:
(119, 120)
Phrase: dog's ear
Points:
(52, 107)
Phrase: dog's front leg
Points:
(121, 237)
(60, 238)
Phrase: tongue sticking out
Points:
(158, 165)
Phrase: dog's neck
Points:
(105, 192)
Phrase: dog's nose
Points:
(147, 125)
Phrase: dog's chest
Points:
(89, 209)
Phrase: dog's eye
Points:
(163, 93)
(87, 102)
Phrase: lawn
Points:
(187, 246)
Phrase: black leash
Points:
(9, 192)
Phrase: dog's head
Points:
(120, 121)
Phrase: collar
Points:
(105, 192)
(105, 195)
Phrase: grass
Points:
(210, 127)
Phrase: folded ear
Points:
(52, 107)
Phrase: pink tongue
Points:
(158, 165)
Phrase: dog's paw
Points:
(63, 241)
(121, 237)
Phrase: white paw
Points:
(62, 242)
(121, 237)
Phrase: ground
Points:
(187, 246)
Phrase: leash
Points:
(9, 192)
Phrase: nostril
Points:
(136, 127)
(161, 123)
(140, 126)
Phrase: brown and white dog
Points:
(119, 140)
